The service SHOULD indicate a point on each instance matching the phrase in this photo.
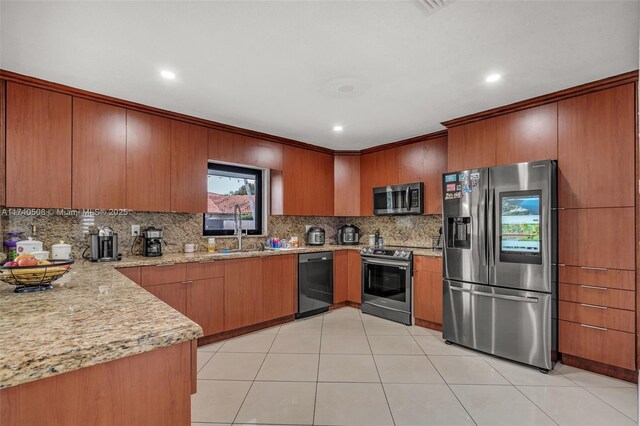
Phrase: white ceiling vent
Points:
(432, 6)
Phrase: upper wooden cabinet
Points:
(472, 145)
(411, 162)
(378, 168)
(99, 155)
(148, 162)
(528, 135)
(435, 165)
(3, 171)
(596, 149)
(346, 179)
(188, 167)
(307, 182)
(38, 147)
(240, 149)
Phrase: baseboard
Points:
(600, 368)
(244, 330)
(428, 324)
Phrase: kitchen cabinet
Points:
(173, 294)
(205, 304)
(354, 277)
(596, 149)
(346, 179)
(38, 147)
(243, 293)
(189, 167)
(132, 273)
(527, 135)
(378, 168)
(244, 150)
(411, 162)
(435, 165)
(99, 155)
(148, 162)
(602, 238)
(3, 123)
(340, 276)
(279, 286)
(472, 145)
(427, 287)
(307, 182)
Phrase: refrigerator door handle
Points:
(496, 296)
(482, 234)
(491, 242)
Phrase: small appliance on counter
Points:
(28, 246)
(315, 236)
(61, 251)
(152, 242)
(348, 235)
(104, 246)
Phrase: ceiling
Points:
(278, 66)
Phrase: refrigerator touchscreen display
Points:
(520, 222)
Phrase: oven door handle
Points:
(383, 262)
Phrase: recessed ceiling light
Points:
(338, 128)
(492, 78)
(169, 75)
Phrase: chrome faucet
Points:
(237, 224)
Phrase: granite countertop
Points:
(94, 315)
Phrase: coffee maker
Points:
(152, 242)
(104, 245)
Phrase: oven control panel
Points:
(398, 253)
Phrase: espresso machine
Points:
(152, 242)
(104, 245)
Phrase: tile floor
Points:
(348, 368)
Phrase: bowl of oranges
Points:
(29, 274)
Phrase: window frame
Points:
(259, 200)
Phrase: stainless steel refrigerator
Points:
(500, 261)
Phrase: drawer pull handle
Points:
(166, 264)
(591, 268)
(594, 327)
(592, 287)
(187, 282)
(207, 261)
(586, 305)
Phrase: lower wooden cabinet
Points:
(340, 276)
(242, 293)
(205, 304)
(427, 289)
(354, 276)
(173, 294)
(279, 286)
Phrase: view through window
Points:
(230, 186)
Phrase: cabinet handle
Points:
(594, 327)
(166, 264)
(187, 282)
(207, 261)
(592, 287)
(586, 305)
(591, 268)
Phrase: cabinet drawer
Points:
(598, 344)
(205, 269)
(601, 316)
(162, 274)
(426, 263)
(601, 296)
(601, 277)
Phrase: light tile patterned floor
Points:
(348, 368)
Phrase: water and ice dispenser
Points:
(459, 232)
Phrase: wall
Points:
(181, 228)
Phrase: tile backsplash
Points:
(180, 228)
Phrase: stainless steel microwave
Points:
(399, 199)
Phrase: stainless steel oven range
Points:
(387, 283)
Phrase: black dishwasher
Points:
(315, 283)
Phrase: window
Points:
(230, 186)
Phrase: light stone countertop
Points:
(95, 315)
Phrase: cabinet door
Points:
(148, 162)
(428, 289)
(132, 273)
(99, 155)
(173, 294)
(308, 182)
(205, 304)
(340, 276)
(189, 165)
(240, 149)
(242, 293)
(346, 178)
(472, 145)
(378, 168)
(528, 135)
(602, 238)
(354, 280)
(435, 166)
(3, 123)
(279, 286)
(38, 147)
(596, 149)
(411, 162)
